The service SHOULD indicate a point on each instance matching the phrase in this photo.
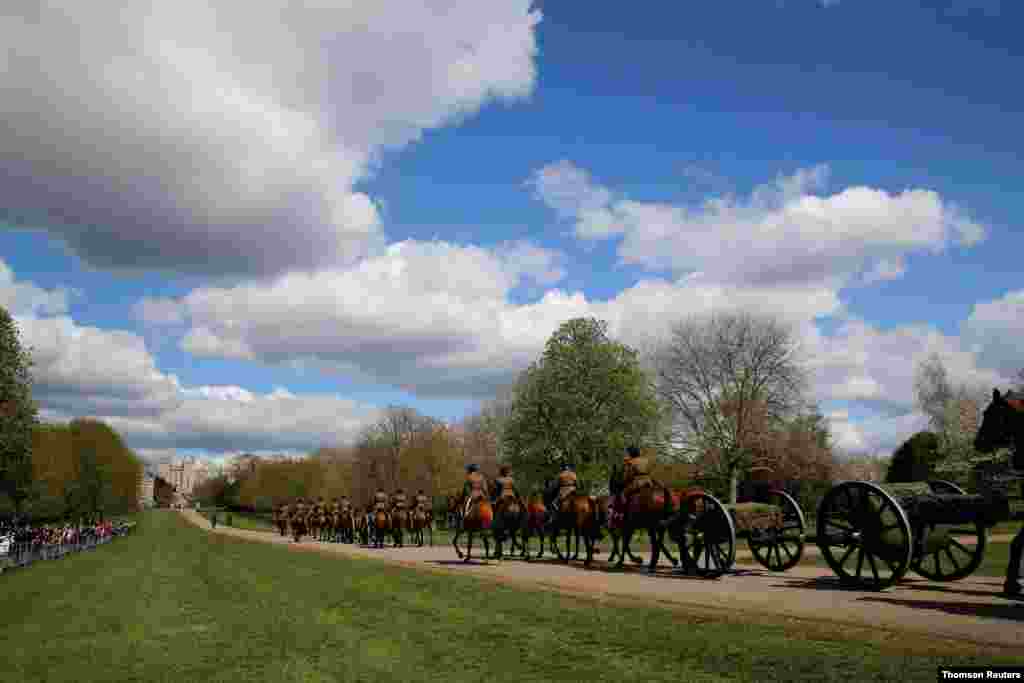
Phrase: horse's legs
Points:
(652, 534)
(455, 542)
(1012, 586)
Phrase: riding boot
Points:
(1013, 589)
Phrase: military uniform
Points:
(399, 501)
(637, 474)
(566, 485)
(505, 487)
(380, 502)
(299, 515)
(473, 490)
(422, 502)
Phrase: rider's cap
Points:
(566, 466)
(634, 451)
(505, 469)
(472, 467)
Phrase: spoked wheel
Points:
(781, 548)
(864, 535)
(944, 557)
(710, 536)
(943, 486)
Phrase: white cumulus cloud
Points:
(227, 137)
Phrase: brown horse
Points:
(281, 522)
(346, 526)
(533, 525)
(381, 527)
(647, 509)
(612, 521)
(478, 521)
(419, 520)
(509, 522)
(578, 515)
(298, 525)
(399, 523)
(360, 526)
(1002, 426)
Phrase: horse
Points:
(381, 527)
(298, 525)
(534, 525)
(346, 527)
(399, 523)
(1002, 426)
(360, 527)
(478, 521)
(509, 520)
(579, 515)
(280, 522)
(647, 509)
(326, 527)
(612, 521)
(313, 524)
(419, 520)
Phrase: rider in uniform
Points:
(423, 503)
(299, 518)
(505, 486)
(474, 488)
(636, 471)
(380, 502)
(566, 487)
(399, 500)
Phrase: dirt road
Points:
(968, 611)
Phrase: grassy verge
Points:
(174, 603)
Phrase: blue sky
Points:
(220, 246)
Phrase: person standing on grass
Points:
(213, 518)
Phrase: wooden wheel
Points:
(943, 557)
(779, 549)
(943, 486)
(710, 543)
(858, 521)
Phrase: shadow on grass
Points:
(969, 609)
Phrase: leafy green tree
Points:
(582, 402)
(18, 413)
(915, 459)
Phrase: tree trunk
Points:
(734, 484)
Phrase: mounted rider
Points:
(505, 486)
(556, 497)
(422, 501)
(474, 488)
(636, 472)
(380, 502)
(399, 500)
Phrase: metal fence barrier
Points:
(21, 554)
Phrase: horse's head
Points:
(1002, 424)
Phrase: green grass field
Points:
(175, 603)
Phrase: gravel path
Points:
(969, 611)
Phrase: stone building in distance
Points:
(184, 474)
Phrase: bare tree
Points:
(390, 438)
(725, 379)
(953, 411)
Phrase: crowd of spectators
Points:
(22, 542)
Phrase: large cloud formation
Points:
(229, 137)
(784, 233)
(83, 371)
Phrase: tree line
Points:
(51, 471)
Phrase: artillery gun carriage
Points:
(871, 534)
